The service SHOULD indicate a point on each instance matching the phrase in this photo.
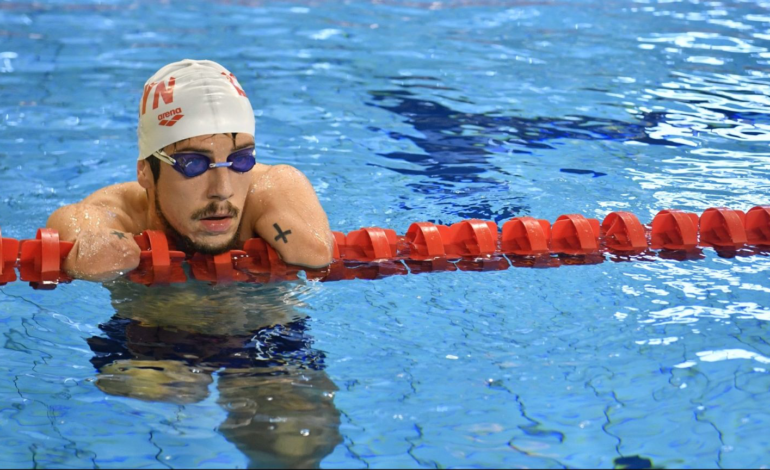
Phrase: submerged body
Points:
(198, 181)
(249, 343)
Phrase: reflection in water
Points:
(728, 106)
(166, 344)
(457, 147)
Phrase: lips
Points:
(217, 223)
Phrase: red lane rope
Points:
(474, 244)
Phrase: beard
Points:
(188, 245)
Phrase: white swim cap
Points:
(191, 98)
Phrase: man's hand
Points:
(103, 249)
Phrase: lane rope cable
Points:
(469, 245)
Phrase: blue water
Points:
(402, 111)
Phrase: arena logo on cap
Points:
(177, 113)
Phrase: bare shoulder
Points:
(283, 174)
(282, 200)
(125, 202)
(280, 181)
(119, 196)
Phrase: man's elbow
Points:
(315, 255)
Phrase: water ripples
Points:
(416, 110)
(723, 105)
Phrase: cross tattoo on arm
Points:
(281, 234)
(120, 235)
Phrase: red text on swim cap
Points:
(161, 91)
(232, 79)
(177, 113)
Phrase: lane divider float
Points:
(469, 245)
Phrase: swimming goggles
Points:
(195, 164)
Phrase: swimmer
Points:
(198, 181)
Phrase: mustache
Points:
(214, 208)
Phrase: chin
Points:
(216, 244)
(190, 238)
(207, 244)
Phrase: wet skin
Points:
(279, 414)
(211, 213)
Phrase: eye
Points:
(192, 164)
(242, 160)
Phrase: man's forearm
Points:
(102, 250)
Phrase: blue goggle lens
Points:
(195, 164)
(242, 160)
(191, 164)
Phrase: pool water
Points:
(401, 111)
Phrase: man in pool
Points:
(198, 181)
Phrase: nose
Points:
(220, 187)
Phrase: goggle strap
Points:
(161, 155)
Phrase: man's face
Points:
(204, 213)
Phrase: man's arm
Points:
(292, 219)
(102, 232)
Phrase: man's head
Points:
(196, 132)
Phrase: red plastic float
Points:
(573, 234)
(41, 259)
(425, 247)
(723, 228)
(157, 264)
(526, 236)
(425, 241)
(758, 226)
(470, 245)
(623, 233)
(370, 244)
(219, 268)
(263, 263)
(9, 251)
(674, 230)
(469, 238)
